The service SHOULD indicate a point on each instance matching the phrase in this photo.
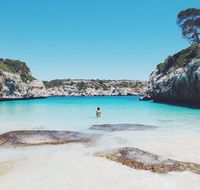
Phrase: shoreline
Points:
(20, 99)
(45, 97)
(172, 103)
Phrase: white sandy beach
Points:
(73, 166)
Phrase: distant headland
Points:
(17, 82)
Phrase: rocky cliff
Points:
(177, 79)
(95, 87)
(16, 82)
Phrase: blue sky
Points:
(105, 39)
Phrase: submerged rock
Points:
(142, 160)
(122, 127)
(41, 137)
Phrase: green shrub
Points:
(161, 67)
(53, 83)
(124, 85)
(26, 78)
(81, 85)
(3, 67)
(180, 59)
(16, 66)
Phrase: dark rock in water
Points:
(142, 160)
(145, 98)
(122, 127)
(41, 137)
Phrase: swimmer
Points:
(98, 112)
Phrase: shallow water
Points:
(74, 167)
(78, 113)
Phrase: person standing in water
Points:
(98, 112)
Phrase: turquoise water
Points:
(78, 113)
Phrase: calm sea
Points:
(78, 113)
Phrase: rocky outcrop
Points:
(12, 87)
(142, 160)
(95, 87)
(178, 78)
(42, 137)
(36, 88)
(122, 127)
(145, 98)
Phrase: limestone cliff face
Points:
(95, 87)
(12, 87)
(179, 79)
